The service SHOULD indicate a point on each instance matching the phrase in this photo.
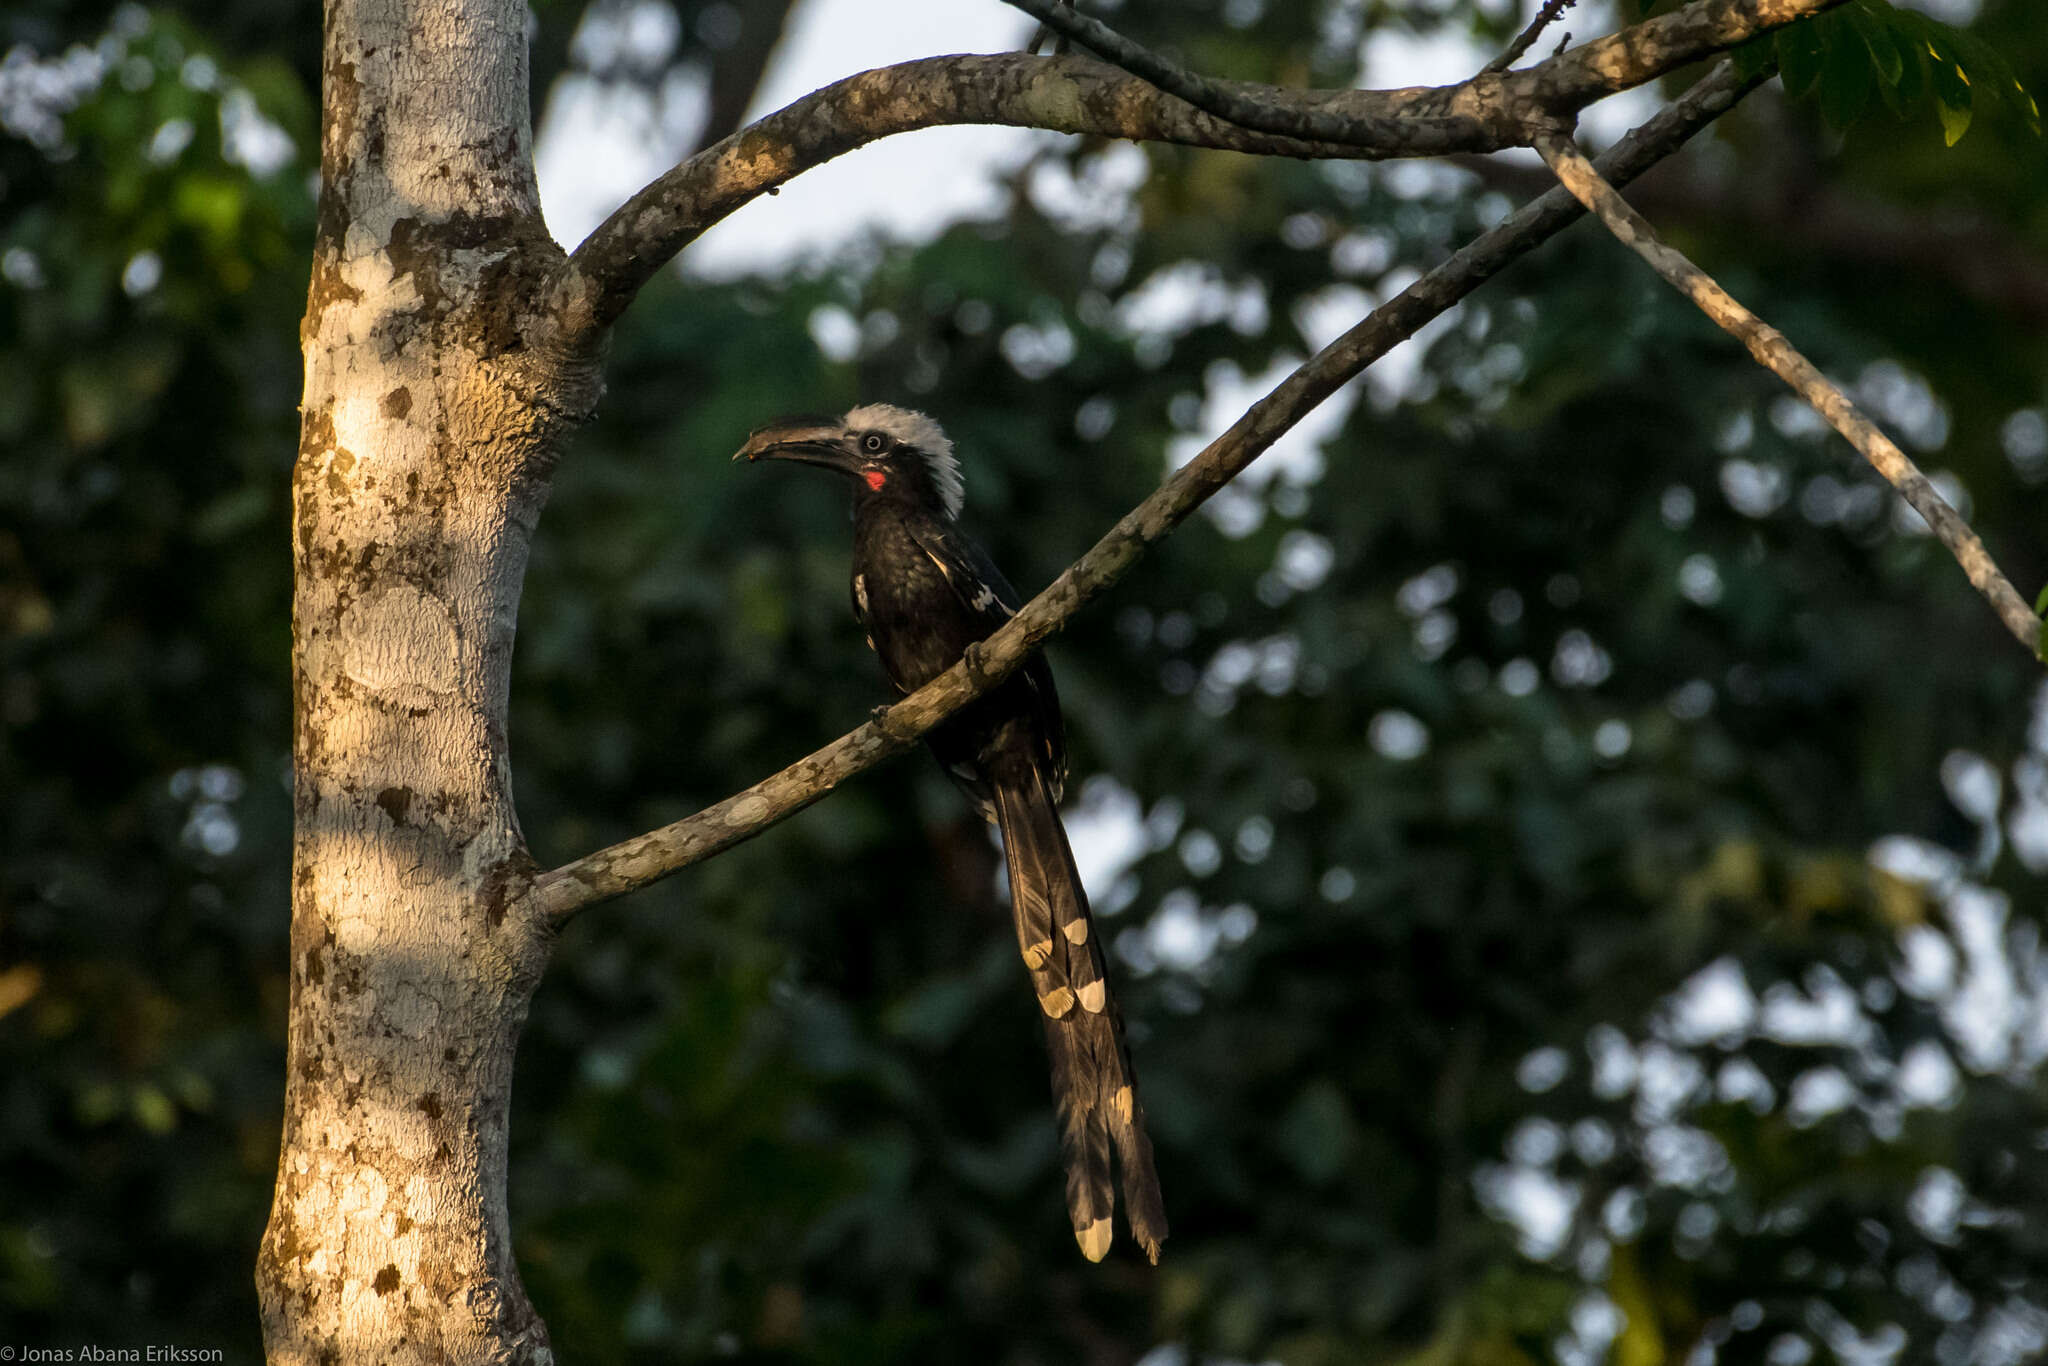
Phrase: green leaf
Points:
(1909, 59)
(2041, 603)
(1953, 104)
(1846, 78)
(1910, 93)
(1991, 76)
(1800, 57)
(1877, 41)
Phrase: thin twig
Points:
(1778, 356)
(647, 858)
(1307, 115)
(1526, 39)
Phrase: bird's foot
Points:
(975, 657)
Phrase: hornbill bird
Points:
(924, 592)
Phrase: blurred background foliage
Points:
(1574, 848)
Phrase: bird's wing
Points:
(990, 601)
(968, 571)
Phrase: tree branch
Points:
(1075, 95)
(636, 862)
(1484, 114)
(1063, 94)
(1777, 355)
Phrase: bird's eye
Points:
(873, 443)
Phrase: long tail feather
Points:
(1094, 1089)
(1084, 1137)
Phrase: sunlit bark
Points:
(420, 474)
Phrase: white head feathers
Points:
(926, 436)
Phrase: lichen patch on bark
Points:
(401, 644)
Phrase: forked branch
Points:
(647, 858)
(1493, 109)
(1777, 355)
(1076, 95)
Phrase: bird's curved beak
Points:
(812, 441)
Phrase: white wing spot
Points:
(860, 592)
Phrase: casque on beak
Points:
(810, 440)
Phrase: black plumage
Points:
(924, 592)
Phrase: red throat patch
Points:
(875, 478)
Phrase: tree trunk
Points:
(428, 431)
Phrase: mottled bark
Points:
(421, 470)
